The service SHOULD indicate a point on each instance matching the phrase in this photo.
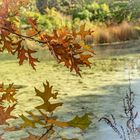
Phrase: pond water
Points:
(100, 91)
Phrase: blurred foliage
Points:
(51, 20)
(115, 11)
(101, 10)
(51, 14)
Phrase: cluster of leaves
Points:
(11, 38)
(44, 117)
(7, 94)
(62, 43)
(66, 46)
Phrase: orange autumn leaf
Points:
(32, 60)
(52, 121)
(62, 44)
(25, 54)
(32, 22)
(6, 114)
(22, 55)
(82, 32)
(66, 49)
(31, 32)
(43, 120)
(8, 93)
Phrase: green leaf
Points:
(80, 122)
(30, 122)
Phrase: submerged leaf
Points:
(46, 95)
(80, 122)
(6, 114)
(8, 93)
(32, 121)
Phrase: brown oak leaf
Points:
(46, 95)
(8, 93)
(6, 114)
(66, 49)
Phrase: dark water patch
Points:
(20, 86)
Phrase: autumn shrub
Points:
(115, 33)
(102, 36)
(123, 32)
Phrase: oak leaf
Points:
(27, 122)
(83, 33)
(32, 60)
(52, 120)
(6, 114)
(8, 93)
(66, 49)
(25, 54)
(32, 22)
(46, 95)
(32, 121)
(80, 122)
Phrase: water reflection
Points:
(108, 99)
(100, 90)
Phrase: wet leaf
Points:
(52, 120)
(27, 122)
(46, 95)
(80, 122)
(8, 93)
(6, 114)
